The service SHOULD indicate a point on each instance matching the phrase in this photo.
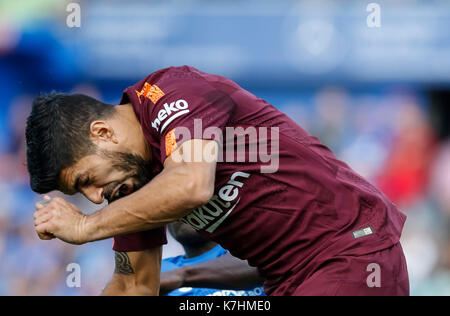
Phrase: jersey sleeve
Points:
(140, 241)
(185, 105)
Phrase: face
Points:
(106, 175)
(120, 162)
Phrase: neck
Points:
(198, 250)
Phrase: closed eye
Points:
(87, 181)
(83, 181)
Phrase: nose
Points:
(94, 194)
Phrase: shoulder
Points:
(183, 80)
(167, 77)
(174, 77)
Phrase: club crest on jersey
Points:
(170, 112)
(154, 93)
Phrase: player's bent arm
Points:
(136, 273)
(172, 194)
(225, 272)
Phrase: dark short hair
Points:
(58, 135)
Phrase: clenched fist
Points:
(56, 218)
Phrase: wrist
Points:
(96, 228)
(88, 229)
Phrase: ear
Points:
(102, 131)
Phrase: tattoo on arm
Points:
(123, 264)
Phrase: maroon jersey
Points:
(284, 216)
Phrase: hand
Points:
(171, 280)
(56, 218)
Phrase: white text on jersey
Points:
(211, 214)
(169, 113)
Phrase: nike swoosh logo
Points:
(214, 226)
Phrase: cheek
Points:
(108, 174)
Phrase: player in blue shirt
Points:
(206, 269)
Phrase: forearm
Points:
(226, 272)
(168, 197)
(136, 273)
(114, 288)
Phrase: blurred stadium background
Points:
(379, 97)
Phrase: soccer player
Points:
(206, 269)
(191, 146)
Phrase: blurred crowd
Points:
(386, 133)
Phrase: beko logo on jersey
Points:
(169, 113)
